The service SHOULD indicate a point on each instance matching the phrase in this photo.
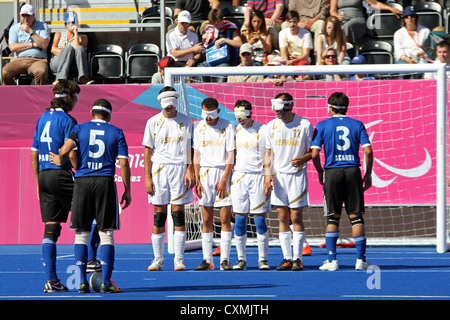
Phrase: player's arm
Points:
(368, 157)
(299, 161)
(268, 179)
(149, 185)
(315, 155)
(189, 178)
(198, 184)
(64, 151)
(125, 172)
(35, 167)
(222, 185)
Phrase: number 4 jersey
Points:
(341, 137)
(52, 130)
(99, 144)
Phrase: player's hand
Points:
(55, 159)
(367, 181)
(199, 189)
(126, 197)
(297, 162)
(221, 189)
(189, 179)
(320, 177)
(149, 187)
(268, 184)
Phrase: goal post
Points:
(177, 77)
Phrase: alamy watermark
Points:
(374, 280)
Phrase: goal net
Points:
(406, 120)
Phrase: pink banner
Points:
(399, 115)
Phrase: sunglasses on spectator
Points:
(330, 56)
(245, 54)
(26, 15)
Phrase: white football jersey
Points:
(250, 148)
(288, 141)
(214, 142)
(170, 138)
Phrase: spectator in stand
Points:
(295, 42)
(329, 58)
(199, 11)
(69, 49)
(29, 40)
(183, 44)
(442, 56)
(333, 37)
(258, 36)
(276, 79)
(363, 76)
(352, 15)
(273, 13)
(409, 38)
(246, 55)
(312, 14)
(158, 77)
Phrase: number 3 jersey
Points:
(341, 137)
(99, 145)
(52, 130)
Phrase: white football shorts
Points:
(291, 190)
(247, 193)
(169, 185)
(209, 178)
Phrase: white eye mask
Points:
(279, 104)
(168, 98)
(212, 114)
(241, 113)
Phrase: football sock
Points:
(331, 238)
(49, 259)
(285, 242)
(225, 245)
(107, 255)
(298, 238)
(263, 245)
(360, 244)
(158, 245)
(179, 243)
(207, 243)
(81, 254)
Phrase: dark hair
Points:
(102, 103)
(167, 88)
(292, 14)
(243, 103)
(339, 99)
(259, 14)
(68, 88)
(443, 43)
(215, 16)
(284, 96)
(210, 103)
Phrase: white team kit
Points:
(171, 140)
(247, 184)
(288, 141)
(213, 143)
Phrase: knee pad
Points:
(159, 220)
(52, 231)
(82, 238)
(106, 237)
(178, 218)
(260, 223)
(240, 226)
(359, 220)
(333, 220)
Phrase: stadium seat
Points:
(384, 23)
(141, 61)
(153, 15)
(430, 14)
(377, 52)
(234, 14)
(107, 62)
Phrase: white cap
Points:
(184, 16)
(27, 9)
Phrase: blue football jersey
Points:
(341, 137)
(52, 130)
(99, 145)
